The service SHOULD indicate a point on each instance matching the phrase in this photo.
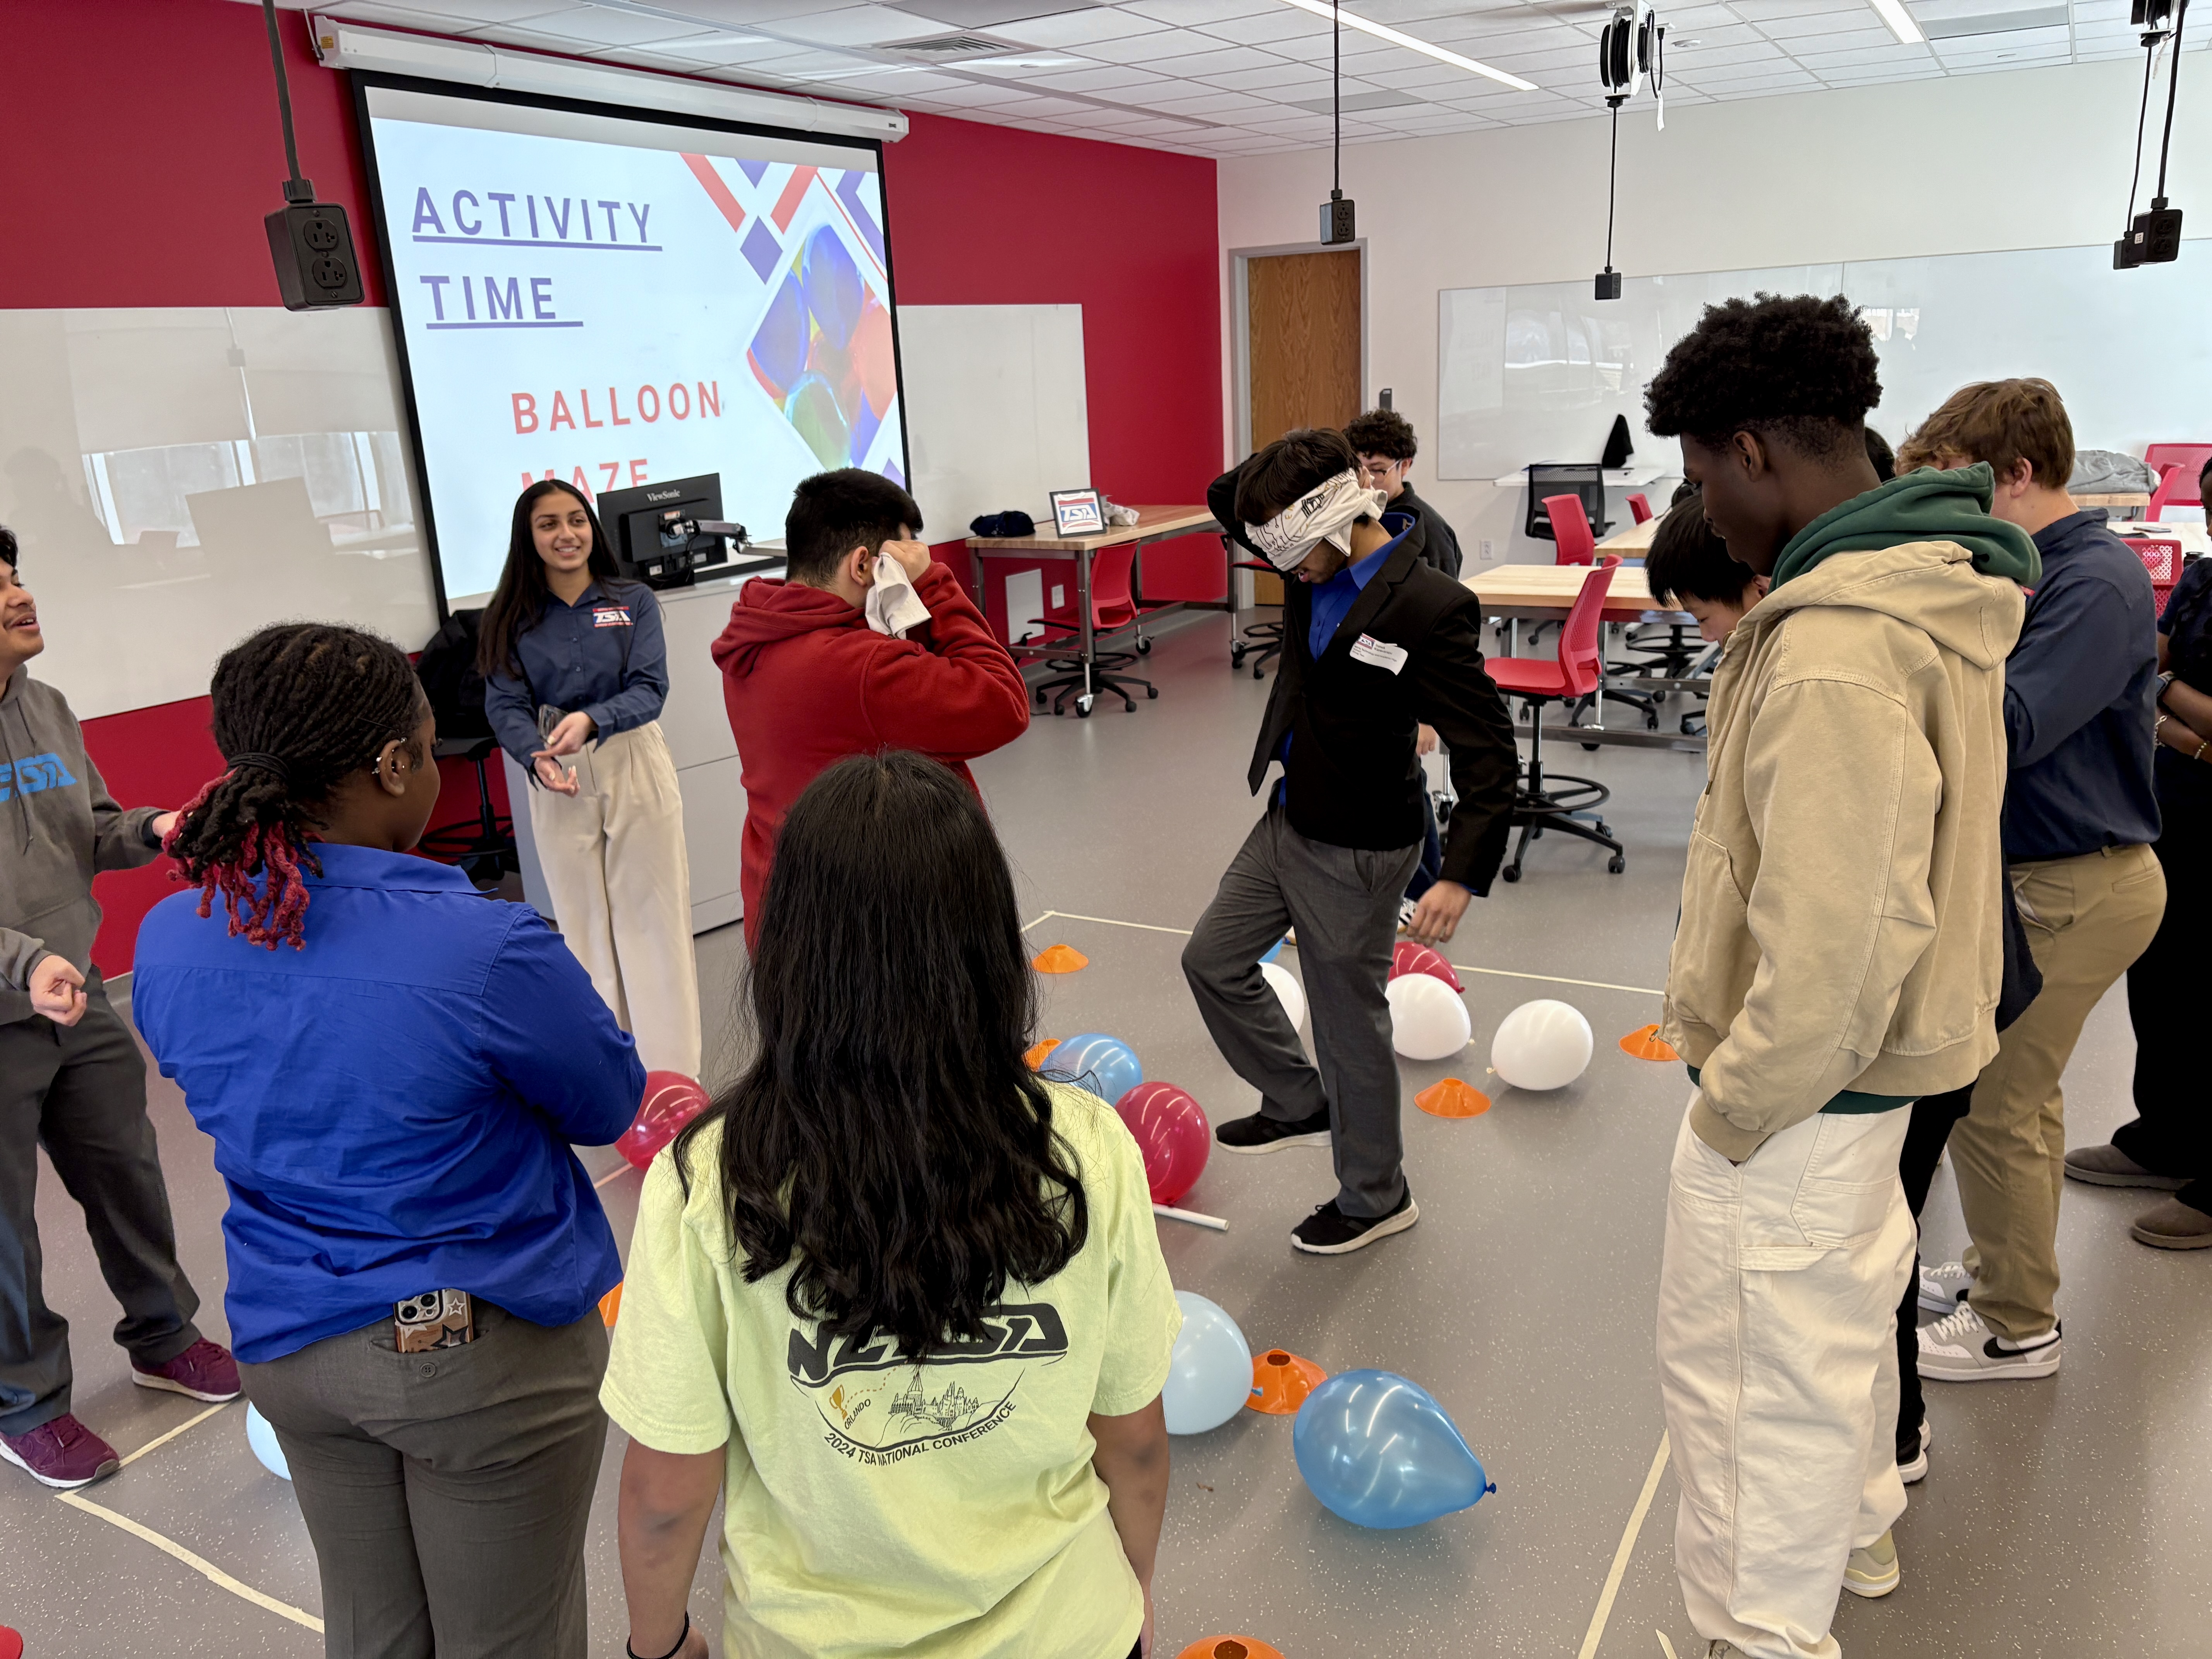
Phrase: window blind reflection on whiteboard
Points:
(1537, 372)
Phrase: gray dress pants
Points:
(80, 1091)
(1344, 902)
(448, 1493)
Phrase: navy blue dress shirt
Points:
(2080, 697)
(604, 654)
(392, 1104)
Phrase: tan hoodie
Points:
(1839, 945)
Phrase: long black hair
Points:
(520, 599)
(890, 1139)
(299, 707)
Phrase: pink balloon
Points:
(672, 1100)
(1412, 957)
(1173, 1134)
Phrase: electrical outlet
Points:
(1486, 550)
(1059, 596)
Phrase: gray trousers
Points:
(80, 1091)
(449, 1493)
(1344, 902)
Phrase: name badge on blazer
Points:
(1379, 654)
(610, 615)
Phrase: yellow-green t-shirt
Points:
(871, 1506)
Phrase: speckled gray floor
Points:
(2062, 1517)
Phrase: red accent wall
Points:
(200, 160)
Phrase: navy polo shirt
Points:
(604, 654)
(391, 1104)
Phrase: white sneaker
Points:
(1872, 1571)
(1962, 1349)
(1944, 1286)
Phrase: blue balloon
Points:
(1090, 1060)
(1210, 1377)
(1378, 1450)
(1277, 951)
(262, 1439)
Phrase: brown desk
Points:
(2131, 500)
(1633, 541)
(1154, 524)
(1547, 592)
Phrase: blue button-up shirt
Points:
(604, 654)
(392, 1104)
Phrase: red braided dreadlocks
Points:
(298, 709)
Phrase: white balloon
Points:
(1286, 988)
(1541, 1045)
(1428, 1021)
(262, 1439)
(1210, 1376)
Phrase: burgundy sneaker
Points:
(61, 1452)
(204, 1371)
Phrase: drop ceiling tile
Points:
(2044, 39)
(1286, 77)
(453, 16)
(1710, 40)
(1190, 13)
(590, 26)
(1266, 27)
(1427, 73)
(403, 17)
(1836, 40)
(1773, 11)
(1866, 57)
(1872, 78)
(1149, 48)
(1208, 104)
(1690, 63)
(1078, 29)
(1221, 60)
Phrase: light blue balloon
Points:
(1378, 1450)
(1210, 1376)
(1090, 1060)
(262, 1439)
(1277, 951)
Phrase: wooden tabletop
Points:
(1550, 589)
(2124, 498)
(1153, 524)
(1637, 538)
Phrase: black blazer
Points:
(1353, 776)
(1441, 544)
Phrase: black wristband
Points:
(673, 1652)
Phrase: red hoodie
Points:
(807, 681)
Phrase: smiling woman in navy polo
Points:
(575, 673)
(392, 1068)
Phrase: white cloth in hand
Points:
(893, 606)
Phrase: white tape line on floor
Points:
(1604, 1609)
(162, 1440)
(200, 1564)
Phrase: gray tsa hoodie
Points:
(58, 827)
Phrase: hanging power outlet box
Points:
(313, 247)
(1336, 224)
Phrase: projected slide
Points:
(611, 301)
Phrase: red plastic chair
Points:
(1639, 507)
(1570, 804)
(2178, 466)
(1571, 528)
(1113, 606)
(2161, 557)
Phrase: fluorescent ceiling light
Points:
(1900, 21)
(1395, 39)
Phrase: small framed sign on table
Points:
(1078, 513)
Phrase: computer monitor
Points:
(666, 534)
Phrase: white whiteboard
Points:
(1538, 373)
(996, 411)
(179, 477)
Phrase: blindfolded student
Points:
(392, 1068)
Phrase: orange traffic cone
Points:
(1643, 1042)
(1453, 1098)
(1060, 959)
(1035, 1056)
(1229, 1647)
(610, 1304)
(1281, 1381)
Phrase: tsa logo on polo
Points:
(880, 1408)
(33, 775)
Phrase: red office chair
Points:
(1570, 804)
(2161, 557)
(1571, 527)
(1639, 507)
(2176, 487)
(1113, 607)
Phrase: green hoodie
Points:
(1926, 505)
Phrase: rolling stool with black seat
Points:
(484, 850)
(1567, 804)
(1266, 637)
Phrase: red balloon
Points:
(1173, 1134)
(1412, 957)
(672, 1100)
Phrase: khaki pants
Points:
(1777, 1371)
(614, 862)
(2087, 918)
(448, 1494)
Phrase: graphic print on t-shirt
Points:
(880, 1408)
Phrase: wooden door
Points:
(1301, 350)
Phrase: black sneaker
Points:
(1912, 1454)
(1329, 1232)
(1261, 1133)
